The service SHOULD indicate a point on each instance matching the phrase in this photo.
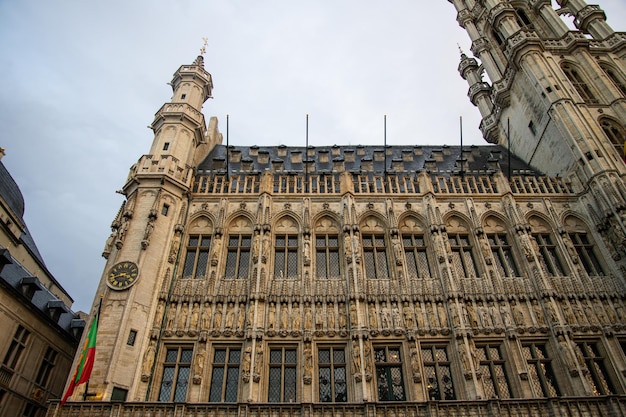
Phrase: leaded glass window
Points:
(332, 375)
(286, 256)
(494, 378)
(416, 256)
(615, 132)
(175, 379)
(595, 362)
(375, 256)
(584, 249)
(282, 385)
(502, 254)
(225, 376)
(540, 374)
(462, 256)
(437, 373)
(197, 256)
(238, 257)
(389, 379)
(17, 346)
(578, 82)
(549, 257)
(327, 260)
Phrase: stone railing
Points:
(556, 407)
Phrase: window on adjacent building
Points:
(286, 256)
(462, 256)
(437, 373)
(549, 257)
(502, 254)
(416, 256)
(584, 249)
(573, 74)
(176, 370)
(327, 260)
(540, 374)
(332, 374)
(282, 375)
(17, 346)
(46, 367)
(225, 376)
(595, 362)
(197, 257)
(132, 337)
(238, 257)
(375, 256)
(389, 379)
(491, 365)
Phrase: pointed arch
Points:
(576, 76)
(374, 241)
(239, 245)
(326, 235)
(501, 244)
(615, 76)
(198, 246)
(286, 246)
(616, 133)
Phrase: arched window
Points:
(414, 242)
(239, 245)
(548, 254)
(583, 246)
(286, 249)
(374, 242)
(575, 77)
(615, 132)
(501, 248)
(613, 75)
(198, 248)
(523, 20)
(461, 248)
(327, 249)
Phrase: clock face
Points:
(123, 275)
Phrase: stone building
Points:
(384, 281)
(41, 333)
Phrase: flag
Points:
(86, 360)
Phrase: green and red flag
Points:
(86, 360)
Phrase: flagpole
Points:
(306, 157)
(227, 150)
(385, 146)
(461, 128)
(98, 318)
(508, 138)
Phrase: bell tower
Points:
(556, 96)
(143, 247)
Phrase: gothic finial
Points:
(203, 49)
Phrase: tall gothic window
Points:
(375, 256)
(238, 256)
(502, 254)
(595, 362)
(491, 364)
(332, 375)
(197, 257)
(17, 346)
(327, 261)
(549, 258)
(225, 376)
(541, 375)
(286, 256)
(437, 373)
(176, 370)
(416, 255)
(616, 134)
(613, 75)
(389, 374)
(282, 375)
(573, 74)
(462, 256)
(584, 249)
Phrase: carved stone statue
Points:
(184, 314)
(148, 362)
(271, 317)
(195, 316)
(295, 316)
(205, 321)
(218, 316)
(230, 316)
(308, 318)
(356, 357)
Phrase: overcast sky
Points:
(81, 80)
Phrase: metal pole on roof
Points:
(385, 147)
(227, 151)
(306, 157)
(461, 128)
(508, 139)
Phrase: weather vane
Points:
(203, 49)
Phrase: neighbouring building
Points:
(384, 281)
(41, 333)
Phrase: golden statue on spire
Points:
(203, 49)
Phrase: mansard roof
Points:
(363, 159)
